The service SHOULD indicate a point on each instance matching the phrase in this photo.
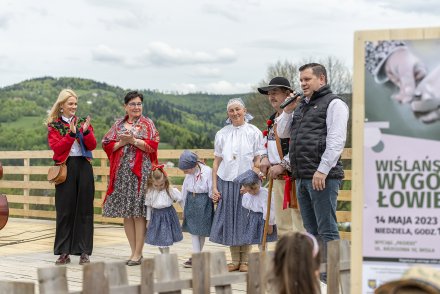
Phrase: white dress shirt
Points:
(258, 203)
(272, 149)
(237, 146)
(337, 118)
(198, 182)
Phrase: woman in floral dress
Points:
(131, 146)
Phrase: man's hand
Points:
(276, 170)
(264, 165)
(318, 181)
(427, 101)
(291, 107)
(404, 69)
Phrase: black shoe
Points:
(188, 263)
(84, 258)
(135, 262)
(63, 259)
(323, 277)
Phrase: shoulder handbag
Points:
(4, 210)
(57, 174)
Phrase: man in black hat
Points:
(317, 130)
(275, 163)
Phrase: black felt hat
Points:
(277, 82)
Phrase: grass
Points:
(25, 122)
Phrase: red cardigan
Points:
(61, 144)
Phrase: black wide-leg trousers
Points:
(74, 208)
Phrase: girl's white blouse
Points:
(199, 182)
(258, 203)
(160, 199)
(237, 146)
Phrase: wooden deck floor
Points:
(27, 244)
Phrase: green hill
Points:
(184, 121)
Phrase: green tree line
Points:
(183, 121)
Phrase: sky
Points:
(222, 47)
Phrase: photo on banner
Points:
(401, 158)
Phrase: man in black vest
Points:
(317, 131)
(275, 162)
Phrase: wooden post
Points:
(219, 267)
(95, 279)
(338, 267)
(257, 280)
(167, 270)
(104, 178)
(26, 164)
(12, 287)
(116, 273)
(333, 266)
(201, 279)
(268, 269)
(52, 280)
(147, 276)
(345, 267)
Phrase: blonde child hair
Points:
(158, 174)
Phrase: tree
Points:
(285, 69)
(339, 78)
(338, 74)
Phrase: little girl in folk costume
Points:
(163, 227)
(255, 201)
(197, 193)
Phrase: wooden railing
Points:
(30, 195)
(161, 275)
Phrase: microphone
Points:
(289, 100)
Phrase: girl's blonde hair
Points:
(252, 186)
(158, 175)
(55, 112)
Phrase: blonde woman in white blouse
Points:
(237, 148)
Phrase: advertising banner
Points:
(401, 159)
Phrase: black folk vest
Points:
(308, 136)
(284, 142)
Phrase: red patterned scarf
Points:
(142, 129)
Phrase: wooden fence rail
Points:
(32, 195)
(161, 275)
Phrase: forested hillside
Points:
(184, 121)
